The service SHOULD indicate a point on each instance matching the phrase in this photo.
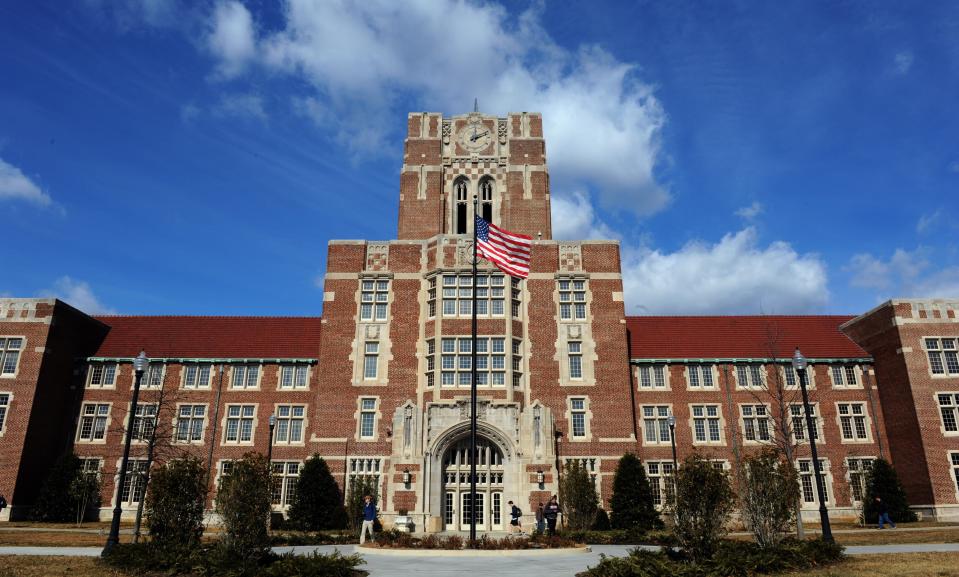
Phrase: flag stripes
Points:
(509, 251)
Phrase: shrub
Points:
(769, 490)
(883, 481)
(318, 503)
(175, 502)
(577, 495)
(732, 559)
(632, 501)
(64, 492)
(318, 538)
(359, 486)
(601, 521)
(149, 558)
(85, 491)
(704, 501)
(243, 502)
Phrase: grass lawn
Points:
(892, 536)
(54, 539)
(24, 566)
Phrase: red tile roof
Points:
(212, 337)
(724, 337)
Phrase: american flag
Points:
(507, 250)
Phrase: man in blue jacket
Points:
(369, 516)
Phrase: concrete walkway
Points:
(509, 564)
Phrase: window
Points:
(189, 423)
(706, 424)
(808, 484)
(431, 297)
(93, 421)
(289, 424)
(750, 376)
(371, 360)
(852, 422)
(578, 417)
(367, 418)
(755, 422)
(134, 483)
(844, 376)
(90, 467)
(858, 470)
(575, 359)
(942, 356)
(102, 375)
(144, 421)
(660, 475)
(456, 361)
(949, 410)
(239, 423)
(245, 377)
(588, 464)
(572, 299)
(365, 467)
(461, 193)
(153, 376)
(799, 422)
(9, 354)
(486, 199)
(652, 376)
(517, 363)
(285, 476)
(517, 293)
(197, 376)
(954, 457)
(792, 379)
(294, 376)
(430, 362)
(4, 405)
(374, 299)
(458, 295)
(700, 376)
(656, 424)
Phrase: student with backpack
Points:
(516, 515)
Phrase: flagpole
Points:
(473, 393)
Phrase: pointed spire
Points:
(476, 105)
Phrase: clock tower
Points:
(448, 160)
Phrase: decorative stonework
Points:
(447, 131)
(377, 256)
(570, 257)
(372, 331)
(464, 252)
(501, 130)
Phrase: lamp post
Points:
(671, 419)
(799, 363)
(269, 447)
(140, 364)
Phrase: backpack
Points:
(516, 512)
(3, 503)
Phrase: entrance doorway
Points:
(489, 486)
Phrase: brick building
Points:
(379, 386)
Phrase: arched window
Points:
(486, 198)
(461, 194)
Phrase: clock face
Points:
(474, 137)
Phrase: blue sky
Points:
(166, 157)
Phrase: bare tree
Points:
(778, 388)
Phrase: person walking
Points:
(369, 517)
(516, 519)
(551, 512)
(540, 519)
(883, 511)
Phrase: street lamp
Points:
(799, 363)
(671, 419)
(140, 364)
(269, 448)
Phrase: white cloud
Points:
(903, 62)
(735, 275)
(232, 39)
(189, 112)
(78, 294)
(603, 125)
(242, 105)
(927, 221)
(573, 217)
(14, 185)
(750, 212)
(906, 274)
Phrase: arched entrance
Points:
(490, 472)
